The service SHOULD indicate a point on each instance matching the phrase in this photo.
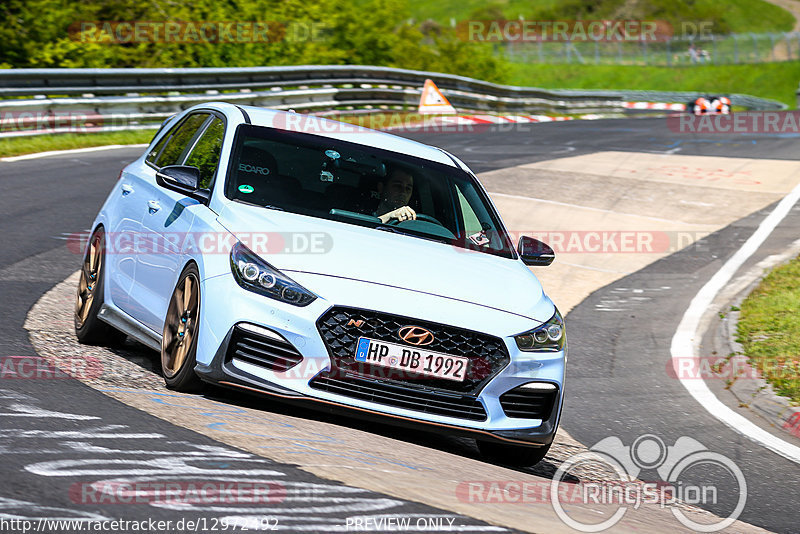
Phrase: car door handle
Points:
(153, 206)
(126, 190)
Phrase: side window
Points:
(478, 227)
(178, 141)
(471, 222)
(205, 154)
(151, 157)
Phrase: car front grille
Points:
(341, 327)
(413, 398)
(529, 403)
(262, 347)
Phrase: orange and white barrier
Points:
(654, 105)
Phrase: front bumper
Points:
(313, 375)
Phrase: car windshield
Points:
(352, 183)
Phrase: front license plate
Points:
(416, 361)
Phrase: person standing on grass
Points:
(693, 55)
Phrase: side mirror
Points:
(183, 179)
(534, 252)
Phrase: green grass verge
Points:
(769, 329)
(17, 146)
(777, 81)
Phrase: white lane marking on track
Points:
(685, 340)
(65, 152)
(174, 465)
(238, 475)
(24, 410)
(326, 505)
(27, 510)
(104, 432)
(567, 204)
(202, 451)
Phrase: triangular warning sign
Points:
(433, 101)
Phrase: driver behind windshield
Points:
(395, 193)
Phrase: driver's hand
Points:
(401, 214)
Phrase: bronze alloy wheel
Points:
(89, 280)
(89, 329)
(179, 340)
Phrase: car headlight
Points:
(254, 274)
(549, 337)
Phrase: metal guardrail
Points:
(133, 98)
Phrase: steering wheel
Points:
(428, 218)
(420, 217)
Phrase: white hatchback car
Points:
(322, 263)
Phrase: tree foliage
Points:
(45, 33)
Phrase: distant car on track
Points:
(348, 269)
(709, 104)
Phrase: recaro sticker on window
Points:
(244, 167)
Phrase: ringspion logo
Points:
(682, 470)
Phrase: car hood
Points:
(298, 243)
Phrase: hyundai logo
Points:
(415, 335)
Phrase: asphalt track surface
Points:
(55, 434)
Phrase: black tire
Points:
(513, 455)
(89, 329)
(181, 323)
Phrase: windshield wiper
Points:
(395, 230)
(271, 207)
